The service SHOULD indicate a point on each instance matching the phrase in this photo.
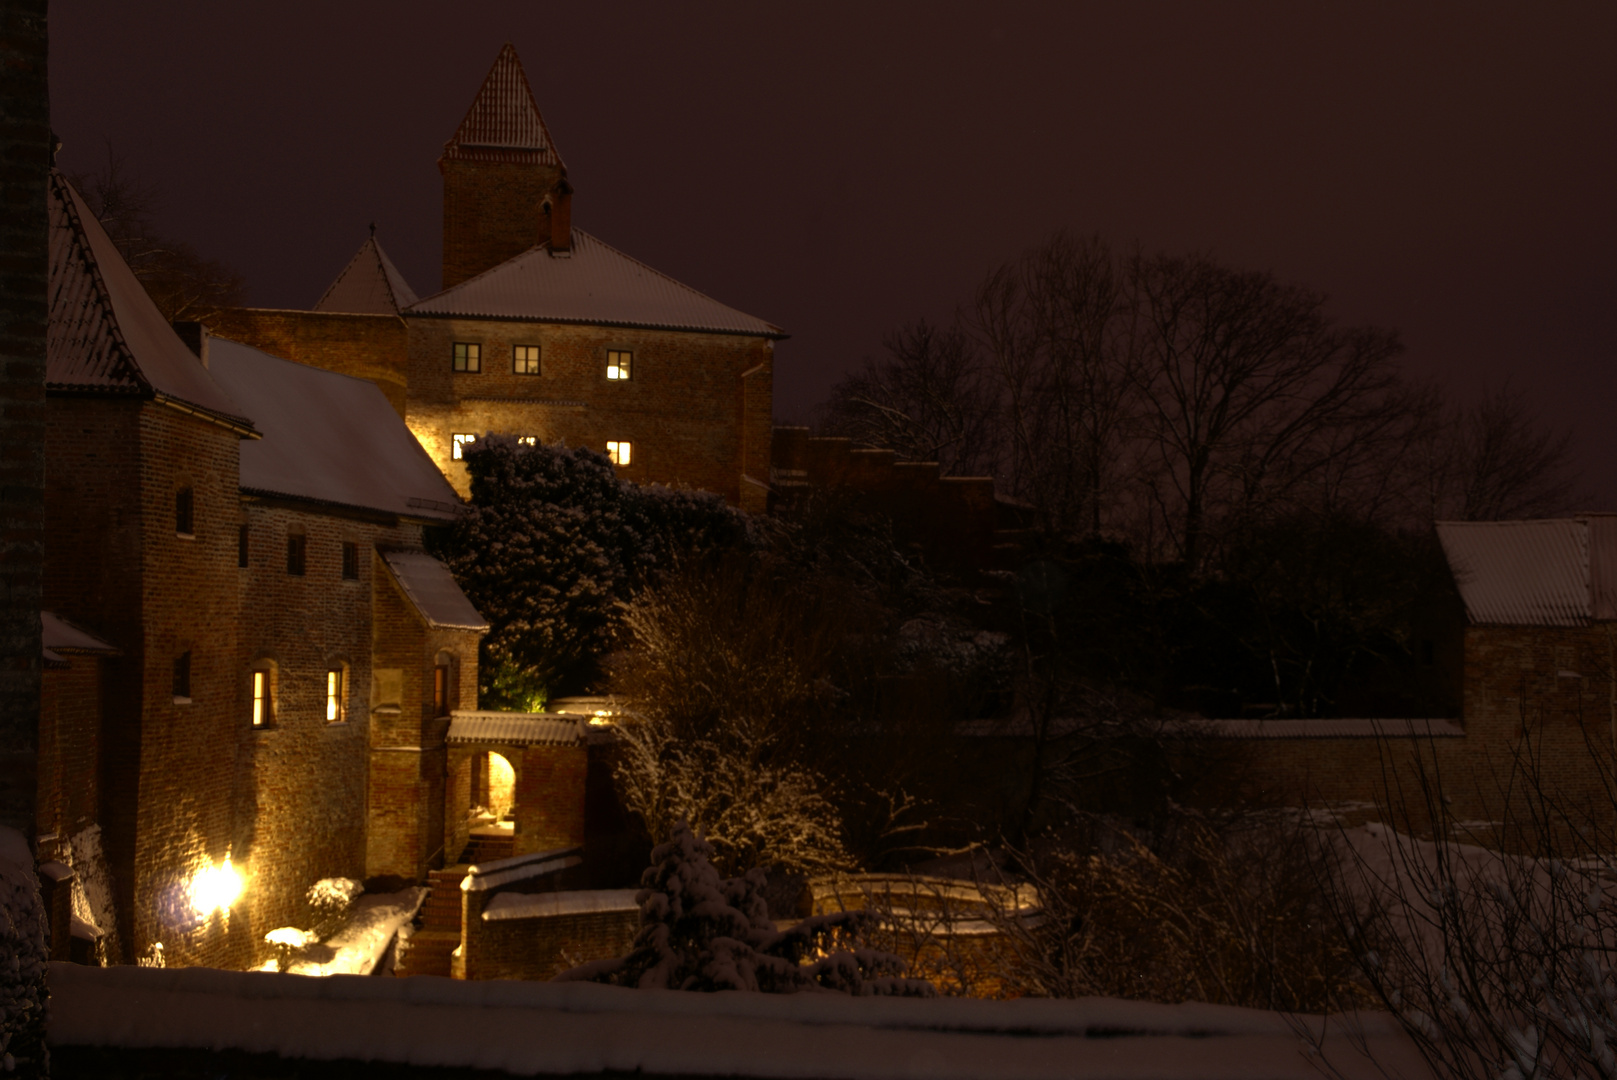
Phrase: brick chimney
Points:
(561, 218)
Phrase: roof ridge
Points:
(62, 189)
(373, 258)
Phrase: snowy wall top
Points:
(328, 438)
(597, 284)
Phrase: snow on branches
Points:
(22, 958)
(699, 931)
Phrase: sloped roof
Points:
(433, 591)
(510, 727)
(1527, 573)
(369, 285)
(62, 636)
(596, 283)
(105, 334)
(328, 437)
(503, 123)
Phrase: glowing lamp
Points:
(215, 888)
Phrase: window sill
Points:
(178, 700)
(185, 536)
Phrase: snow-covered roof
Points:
(545, 904)
(369, 285)
(104, 333)
(61, 636)
(433, 590)
(503, 123)
(328, 438)
(1555, 572)
(595, 283)
(527, 729)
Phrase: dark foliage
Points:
(553, 543)
(702, 932)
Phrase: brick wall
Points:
(373, 347)
(69, 753)
(690, 415)
(491, 213)
(25, 156)
(301, 796)
(543, 947)
(549, 810)
(408, 760)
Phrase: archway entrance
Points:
(501, 785)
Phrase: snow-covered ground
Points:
(535, 1029)
(359, 946)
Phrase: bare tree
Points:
(1497, 460)
(1056, 328)
(928, 400)
(183, 284)
(1249, 389)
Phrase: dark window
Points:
(350, 561)
(182, 512)
(468, 356)
(1428, 652)
(182, 675)
(619, 364)
(525, 359)
(241, 545)
(297, 547)
(440, 690)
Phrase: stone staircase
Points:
(487, 845)
(431, 948)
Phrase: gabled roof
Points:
(503, 123)
(1555, 572)
(58, 634)
(433, 591)
(369, 285)
(595, 283)
(105, 334)
(328, 438)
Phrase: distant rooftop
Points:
(328, 438)
(105, 334)
(1553, 572)
(503, 123)
(369, 285)
(595, 283)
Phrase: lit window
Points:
(241, 545)
(182, 512)
(350, 561)
(297, 547)
(468, 357)
(182, 677)
(621, 453)
(525, 359)
(462, 440)
(263, 696)
(618, 364)
(336, 695)
(527, 440)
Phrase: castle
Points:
(541, 330)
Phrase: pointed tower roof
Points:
(369, 285)
(503, 123)
(105, 335)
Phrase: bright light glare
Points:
(215, 888)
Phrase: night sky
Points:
(841, 169)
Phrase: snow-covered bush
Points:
(330, 900)
(553, 543)
(22, 959)
(699, 931)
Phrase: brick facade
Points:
(493, 212)
(541, 947)
(696, 410)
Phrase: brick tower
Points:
(505, 187)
